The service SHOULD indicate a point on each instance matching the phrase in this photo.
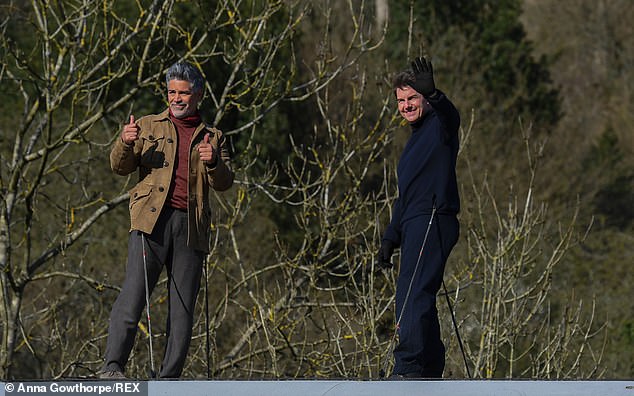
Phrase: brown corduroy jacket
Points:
(154, 155)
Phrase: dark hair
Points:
(401, 79)
(187, 72)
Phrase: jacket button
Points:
(161, 189)
(136, 194)
(193, 171)
(166, 164)
(152, 209)
(169, 140)
(151, 137)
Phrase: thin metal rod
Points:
(455, 326)
(147, 307)
(207, 350)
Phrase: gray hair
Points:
(401, 79)
(187, 72)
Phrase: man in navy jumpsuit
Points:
(424, 222)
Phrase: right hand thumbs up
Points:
(130, 132)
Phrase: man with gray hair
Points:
(179, 158)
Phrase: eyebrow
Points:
(408, 98)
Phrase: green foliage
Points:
(315, 147)
(479, 42)
(615, 184)
(605, 154)
(627, 331)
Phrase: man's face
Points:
(183, 101)
(410, 103)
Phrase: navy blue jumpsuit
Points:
(426, 180)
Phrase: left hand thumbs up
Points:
(206, 150)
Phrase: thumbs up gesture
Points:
(130, 132)
(206, 150)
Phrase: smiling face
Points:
(410, 103)
(183, 101)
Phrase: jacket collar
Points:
(164, 115)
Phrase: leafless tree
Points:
(304, 304)
(64, 79)
(513, 252)
(78, 74)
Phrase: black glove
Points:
(424, 74)
(385, 254)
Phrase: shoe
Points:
(111, 375)
(405, 377)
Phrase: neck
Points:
(191, 120)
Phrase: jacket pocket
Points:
(153, 152)
(139, 194)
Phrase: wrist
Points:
(131, 144)
(212, 163)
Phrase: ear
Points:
(200, 94)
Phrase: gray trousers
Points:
(166, 246)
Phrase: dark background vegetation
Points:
(540, 281)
